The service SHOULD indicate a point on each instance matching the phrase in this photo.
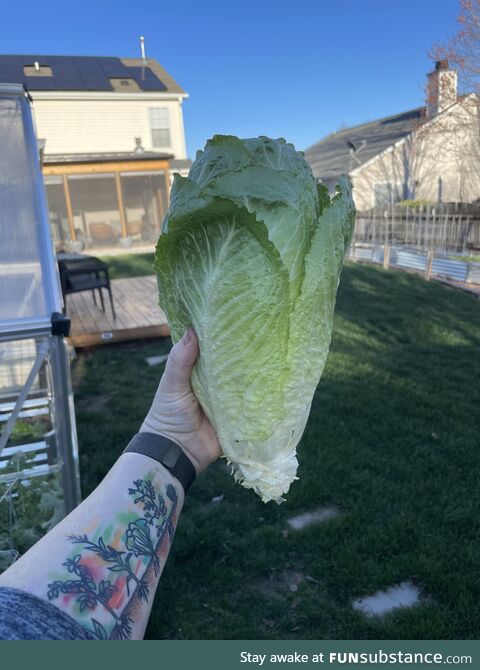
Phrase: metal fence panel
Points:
(473, 276)
(446, 267)
(414, 259)
(409, 258)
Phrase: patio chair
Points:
(135, 228)
(102, 232)
(84, 273)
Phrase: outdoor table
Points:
(79, 272)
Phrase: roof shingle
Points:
(331, 157)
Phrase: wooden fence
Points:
(444, 228)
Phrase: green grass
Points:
(392, 440)
(129, 265)
(472, 259)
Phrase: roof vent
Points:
(138, 146)
(37, 70)
(124, 84)
(142, 47)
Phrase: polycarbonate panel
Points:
(26, 293)
(16, 360)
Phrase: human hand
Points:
(175, 411)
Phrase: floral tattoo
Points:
(139, 548)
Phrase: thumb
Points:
(182, 357)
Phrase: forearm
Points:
(102, 563)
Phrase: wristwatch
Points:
(166, 452)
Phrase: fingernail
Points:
(187, 337)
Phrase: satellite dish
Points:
(354, 151)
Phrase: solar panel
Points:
(95, 83)
(67, 77)
(113, 67)
(65, 74)
(146, 79)
(72, 73)
(30, 60)
(11, 70)
(92, 75)
(39, 83)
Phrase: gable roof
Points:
(86, 73)
(331, 157)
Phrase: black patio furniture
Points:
(79, 272)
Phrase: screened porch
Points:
(100, 204)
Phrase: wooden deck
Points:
(136, 305)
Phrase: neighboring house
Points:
(111, 133)
(431, 153)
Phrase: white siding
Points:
(447, 149)
(96, 126)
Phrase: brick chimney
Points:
(441, 88)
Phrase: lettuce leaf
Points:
(250, 256)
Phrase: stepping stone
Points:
(315, 516)
(156, 360)
(405, 594)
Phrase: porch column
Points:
(68, 202)
(167, 187)
(160, 203)
(121, 208)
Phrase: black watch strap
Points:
(166, 452)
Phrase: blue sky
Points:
(255, 67)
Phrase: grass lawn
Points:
(129, 265)
(473, 259)
(392, 441)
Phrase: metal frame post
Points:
(65, 428)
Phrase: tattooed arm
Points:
(102, 563)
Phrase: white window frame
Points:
(159, 118)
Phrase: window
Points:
(382, 194)
(160, 126)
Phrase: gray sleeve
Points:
(26, 617)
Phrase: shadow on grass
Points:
(392, 440)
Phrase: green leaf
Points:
(250, 256)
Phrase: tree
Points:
(439, 159)
(462, 53)
(463, 49)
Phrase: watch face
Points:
(171, 455)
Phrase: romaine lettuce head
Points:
(250, 256)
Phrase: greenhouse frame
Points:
(38, 442)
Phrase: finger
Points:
(182, 357)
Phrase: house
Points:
(431, 153)
(111, 135)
